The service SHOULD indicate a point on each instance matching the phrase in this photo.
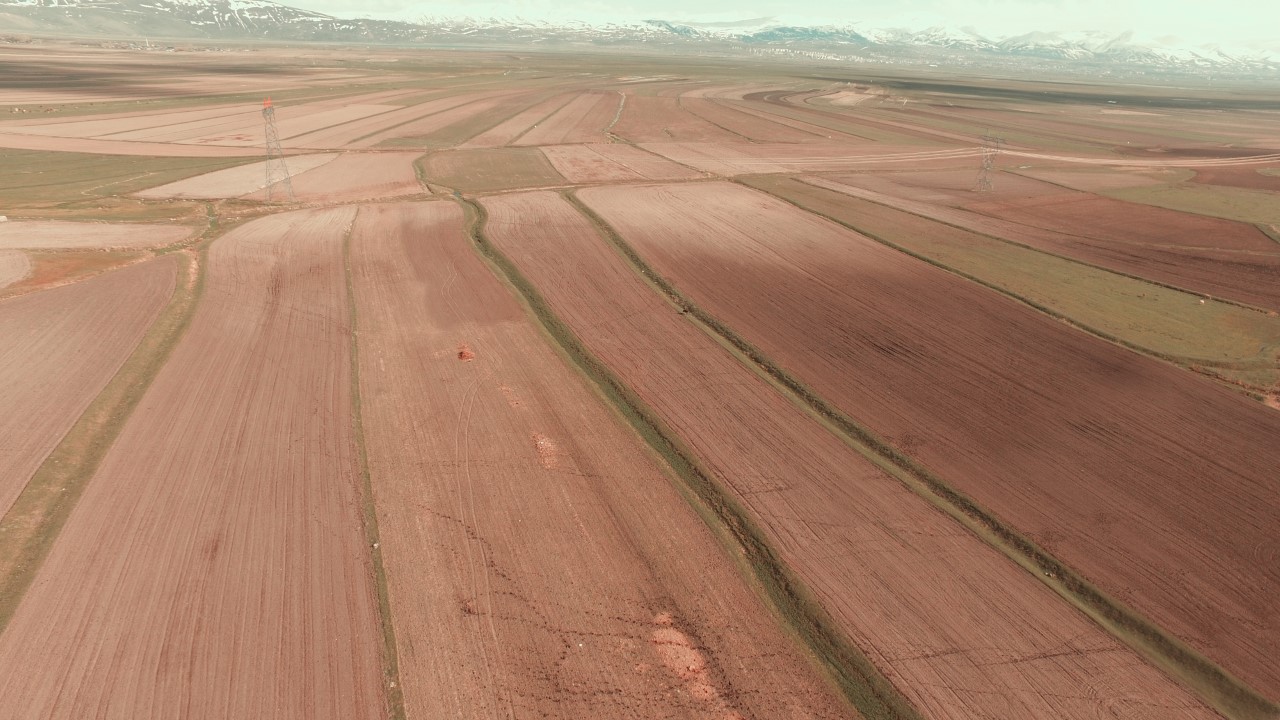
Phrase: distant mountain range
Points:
(230, 20)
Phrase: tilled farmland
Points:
(508, 387)
(1057, 434)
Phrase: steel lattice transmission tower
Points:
(277, 170)
(990, 149)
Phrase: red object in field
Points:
(266, 103)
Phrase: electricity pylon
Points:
(990, 149)
(277, 170)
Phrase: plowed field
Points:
(964, 632)
(743, 159)
(1157, 485)
(356, 176)
(613, 163)
(232, 182)
(661, 119)
(518, 124)
(215, 566)
(1248, 276)
(539, 563)
(584, 119)
(58, 348)
(747, 125)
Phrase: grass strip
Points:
(33, 522)
(369, 514)
(857, 677)
(1225, 693)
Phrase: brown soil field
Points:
(729, 159)
(748, 125)
(54, 268)
(361, 133)
(962, 631)
(18, 141)
(491, 169)
(14, 266)
(1104, 179)
(512, 128)
(819, 131)
(613, 163)
(1155, 484)
(293, 122)
(356, 176)
(648, 165)
(1170, 323)
(118, 123)
(232, 182)
(1243, 177)
(58, 348)
(1250, 277)
(582, 164)
(430, 124)
(583, 120)
(1105, 219)
(222, 124)
(215, 565)
(48, 234)
(662, 120)
(539, 563)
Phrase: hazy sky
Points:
(1232, 23)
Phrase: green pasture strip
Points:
(1229, 203)
(37, 178)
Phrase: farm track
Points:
(911, 415)
(539, 560)
(828, 513)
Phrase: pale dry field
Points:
(58, 348)
(55, 235)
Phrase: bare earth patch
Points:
(54, 234)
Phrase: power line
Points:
(277, 170)
(990, 149)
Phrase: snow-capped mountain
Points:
(207, 19)
(860, 42)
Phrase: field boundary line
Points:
(32, 524)
(856, 678)
(1217, 688)
(368, 507)
(1185, 362)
